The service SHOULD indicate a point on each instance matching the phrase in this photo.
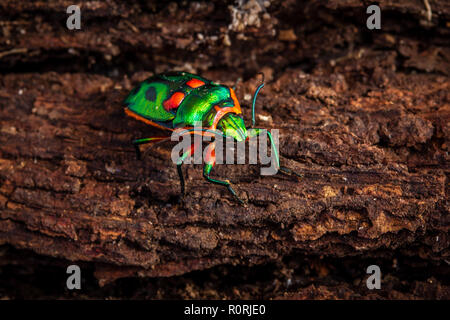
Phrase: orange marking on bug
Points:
(235, 100)
(223, 111)
(147, 121)
(219, 115)
(174, 101)
(210, 156)
(195, 83)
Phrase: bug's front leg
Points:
(210, 161)
(258, 131)
(136, 143)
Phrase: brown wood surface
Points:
(363, 115)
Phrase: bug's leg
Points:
(236, 83)
(210, 161)
(256, 132)
(185, 155)
(136, 143)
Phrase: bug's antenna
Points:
(237, 82)
(254, 98)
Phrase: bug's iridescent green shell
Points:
(179, 99)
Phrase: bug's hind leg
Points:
(136, 143)
(185, 155)
(210, 162)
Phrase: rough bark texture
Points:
(363, 115)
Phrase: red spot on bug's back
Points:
(174, 101)
(195, 83)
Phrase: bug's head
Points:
(232, 125)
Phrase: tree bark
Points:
(363, 116)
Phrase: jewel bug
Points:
(175, 100)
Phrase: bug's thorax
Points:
(232, 125)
